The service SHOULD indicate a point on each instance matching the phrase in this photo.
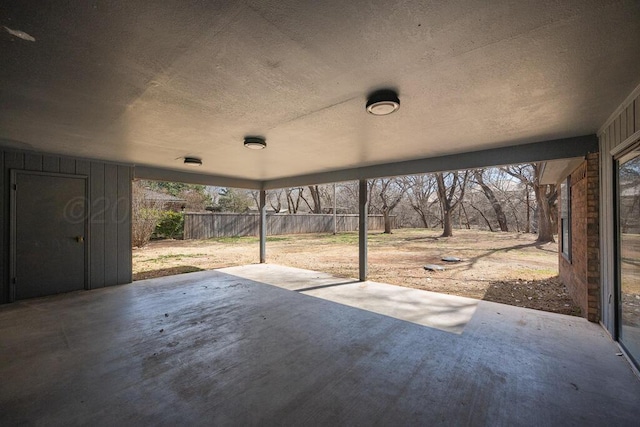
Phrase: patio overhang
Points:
(557, 151)
(554, 171)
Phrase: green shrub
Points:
(170, 225)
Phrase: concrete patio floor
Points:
(446, 312)
(229, 348)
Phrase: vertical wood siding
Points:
(208, 225)
(109, 206)
(96, 225)
(618, 132)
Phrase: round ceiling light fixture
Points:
(192, 161)
(255, 142)
(383, 102)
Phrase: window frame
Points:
(565, 218)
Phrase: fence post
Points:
(263, 226)
(363, 217)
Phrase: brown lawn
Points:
(508, 268)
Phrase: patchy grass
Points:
(177, 257)
(491, 262)
(233, 240)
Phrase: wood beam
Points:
(525, 153)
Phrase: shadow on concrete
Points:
(331, 285)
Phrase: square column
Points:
(263, 226)
(363, 227)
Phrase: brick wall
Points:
(593, 237)
(581, 274)
(573, 272)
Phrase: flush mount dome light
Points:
(192, 161)
(383, 102)
(255, 142)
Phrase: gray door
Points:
(49, 214)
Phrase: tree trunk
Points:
(526, 189)
(290, 205)
(497, 207)
(466, 217)
(293, 205)
(486, 220)
(277, 207)
(317, 201)
(545, 227)
(391, 191)
(515, 216)
(371, 185)
(387, 221)
(552, 196)
(446, 224)
(446, 198)
(423, 217)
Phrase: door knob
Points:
(79, 239)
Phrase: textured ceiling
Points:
(147, 83)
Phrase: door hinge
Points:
(15, 186)
(13, 280)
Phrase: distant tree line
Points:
(508, 198)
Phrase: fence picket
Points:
(208, 225)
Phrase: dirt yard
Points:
(509, 268)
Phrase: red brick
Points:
(582, 275)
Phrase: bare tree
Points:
(495, 203)
(315, 197)
(145, 214)
(484, 217)
(327, 194)
(545, 196)
(275, 200)
(514, 212)
(451, 188)
(293, 198)
(421, 192)
(526, 175)
(347, 196)
(255, 197)
(389, 192)
(463, 212)
(514, 196)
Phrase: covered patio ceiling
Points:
(148, 83)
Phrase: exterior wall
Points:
(581, 274)
(622, 129)
(109, 239)
(593, 237)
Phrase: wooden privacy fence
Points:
(207, 225)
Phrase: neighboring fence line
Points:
(206, 225)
